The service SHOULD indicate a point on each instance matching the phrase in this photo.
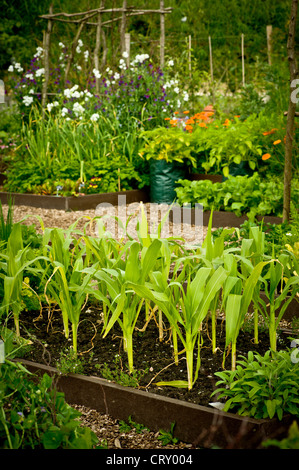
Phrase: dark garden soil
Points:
(153, 359)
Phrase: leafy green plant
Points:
(169, 144)
(16, 260)
(187, 310)
(239, 194)
(127, 427)
(125, 303)
(279, 291)
(69, 363)
(261, 386)
(36, 416)
(68, 282)
(167, 437)
(118, 375)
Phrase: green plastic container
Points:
(163, 180)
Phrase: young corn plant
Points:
(125, 303)
(237, 296)
(68, 282)
(16, 260)
(279, 291)
(215, 254)
(186, 313)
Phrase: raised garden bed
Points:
(200, 425)
(156, 407)
(220, 218)
(200, 177)
(89, 201)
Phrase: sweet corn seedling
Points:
(125, 303)
(16, 259)
(186, 320)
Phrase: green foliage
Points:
(250, 195)
(167, 437)
(167, 144)
(261, 386)
(120, 376)
(40, 418)
(69, 363)
(54, 150)
(127, 427)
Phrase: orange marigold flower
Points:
(167, 119)
(176, 112)
(186, 112)
(226, 122)
(237, 116)
(202, 124)
(188, 127)
(270, 132)
(277, 142)
(266, 156)
(173, 121)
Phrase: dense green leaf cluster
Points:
(261, 386)
(239, 194)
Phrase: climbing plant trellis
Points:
(87, 18)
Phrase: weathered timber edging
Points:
(200, 425)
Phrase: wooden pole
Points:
(128, 47)
(73, 50)
(123, 26)
(290, 125)
(162, 34)
(97, 46)
(243, 59)
(46, 44)
(269, 44)
(189, 56)
(211, 59)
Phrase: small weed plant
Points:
(261, 386)
(127, 427)
(118, 375)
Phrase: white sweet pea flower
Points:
(39, 52)
(171, 63)
(78, 109)
(40, 72)
(94, 117)
(96, 73)
(64, 112)
(30, 76)
(125, 54)
(10, 68)
(61, 45)
(176, 90)
(27, 100)
(18, 67)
